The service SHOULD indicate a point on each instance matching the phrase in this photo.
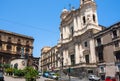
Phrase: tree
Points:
(30, 74)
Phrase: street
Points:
(9, 78)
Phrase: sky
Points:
(41, 18)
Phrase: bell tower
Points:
(88, 12)
(84, 1)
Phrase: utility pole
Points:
(69, 70)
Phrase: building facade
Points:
(49, 59)
(35, 62)
(76, 41)
(108, 51)
(11, 45)
(84, 45)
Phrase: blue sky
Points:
(41, 18)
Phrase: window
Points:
(84, 21)
(94, 18)
(27, 50)
(9, 39)
(90, 71)
(117, 56)
(98, 41)
(114, 33)
(85, 43)
(87, 58)
(19, 40)
(16, 65)
(100, 56)
(72, 30)
(27, 42)
(72, 57)
(61, 36)
(116, 44)
(18, 48)
(9, 47)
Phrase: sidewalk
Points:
(71, 78)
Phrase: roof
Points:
(16, 34)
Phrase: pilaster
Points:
(92, 51)
(77, 59)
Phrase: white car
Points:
(53, 76)
(94, 78)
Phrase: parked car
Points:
(46, 74)
(52, 75)
(1, 76)
(39, 73)
(94, 78)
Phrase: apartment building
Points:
(108, 51)
(11, 44)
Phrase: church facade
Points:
(76, 38)
(84, 46)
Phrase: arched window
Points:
(18, 48)
(16, 65)
(84, 21)
(94, 18)
(9, 47)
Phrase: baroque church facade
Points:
(76, 37)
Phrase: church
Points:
(84, 45)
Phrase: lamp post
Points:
(60, 59)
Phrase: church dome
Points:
(64, 13)
(64, 10)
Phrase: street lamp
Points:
(60, 59)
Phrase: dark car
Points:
(46, 74)
(1, 76)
